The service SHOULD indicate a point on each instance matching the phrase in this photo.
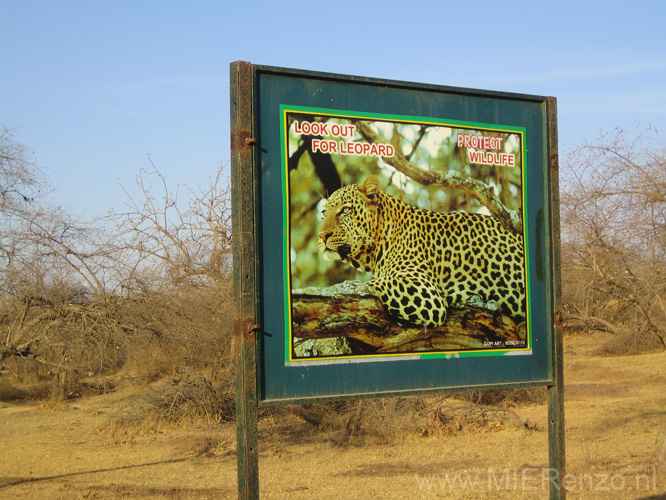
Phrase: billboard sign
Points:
(401, 236)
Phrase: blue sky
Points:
(92, 87)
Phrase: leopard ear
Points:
(370, 187)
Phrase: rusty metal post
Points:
(245, 278)
(556, 391)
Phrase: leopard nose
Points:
(325, 236)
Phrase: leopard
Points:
(422, 262)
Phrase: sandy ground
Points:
(615, 414)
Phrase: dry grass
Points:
(178, 352)
(374, 449)
(506, 398)
(12, 390)
(177, 349)
(188, 400)
(175, 353)
(387, 420)
(630, 344)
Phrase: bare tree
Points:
(20, 181)
(614, 233)
(188, 244)
(146, 287)
(20, 184)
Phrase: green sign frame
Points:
(269, 370)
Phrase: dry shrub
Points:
(212, 446)
(192, 396)
(90, 342)
(613, 244)
(321, 416)
(191, 330)
(13, 391)
(451, 417)
(505, 398)
(344, 423)
(23, 380)
(383, 420)
(187, 399)
(629, 344)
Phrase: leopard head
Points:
(349, 223)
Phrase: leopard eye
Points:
(344, 211)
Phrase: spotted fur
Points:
(423, 262)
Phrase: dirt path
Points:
(615, 413)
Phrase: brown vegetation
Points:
(140, 295)
(107, 446)
(87, 306)
(614, 238)
(141, 302)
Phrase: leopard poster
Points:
(404, 237)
